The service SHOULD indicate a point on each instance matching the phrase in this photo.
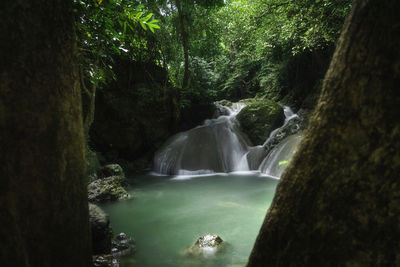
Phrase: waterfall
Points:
(279, 157)
(215, 146)
(218, 146)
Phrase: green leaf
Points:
(148, 17)
(283, 162)
(138, 15)
(130, 27)
(151, 28)
(143, 25)
(155, 26)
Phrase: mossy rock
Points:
(111, 170)
(225, 103)
(259, 118)
(107, 189)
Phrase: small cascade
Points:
(279, 157)
(215, 146)
(281, 145)
(218, 146)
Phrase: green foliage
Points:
(262, 40)
(109, 29)
(237, 48)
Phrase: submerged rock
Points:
(259, 118)
(107, 189)
(206, 246)
(101, 230)
(123, 245)
(209, 241)
(111, 170)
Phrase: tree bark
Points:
(338, 203)
(43, 198)
(185, 44)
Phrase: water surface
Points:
(168, 214)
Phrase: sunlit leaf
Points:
(138, 15)
(155, 26)
(148, 17)
(143, 25)
(151, 28)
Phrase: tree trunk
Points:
(43, 199)
(185, 44)
(338, 203)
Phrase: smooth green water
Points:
(167, 215)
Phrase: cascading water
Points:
(276, 161)
(282, 144)
(218, 146)
(215, 146)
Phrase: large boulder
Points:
(101, 230)
(259, 118)
(107, 189)
(206, 246)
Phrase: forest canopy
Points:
(212, 50)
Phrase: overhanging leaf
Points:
(148, 17)
(143, 25)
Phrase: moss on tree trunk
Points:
(43, 198)
(338, 203)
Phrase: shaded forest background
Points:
(151, 68)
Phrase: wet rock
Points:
(105, 261)
(206, 246)
(123, 245)
(107, 189)
(259, 118)
(255, 156)
(209, 241)
(225, 103)
(111, 170)
(101, 230)
(221, 110)
(293, 126)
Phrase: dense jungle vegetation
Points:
(161, 64)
